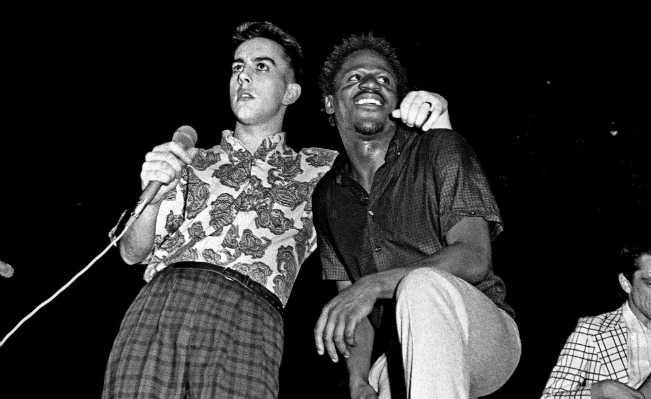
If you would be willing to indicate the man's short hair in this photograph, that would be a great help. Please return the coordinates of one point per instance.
(293, 51)
(628, 261)
(354, 43)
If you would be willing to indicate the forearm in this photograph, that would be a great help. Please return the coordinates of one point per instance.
(359, 361)
(137, 242)
(610, 389)
(463, 260)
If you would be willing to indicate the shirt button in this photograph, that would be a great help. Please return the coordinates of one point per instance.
(378, 249)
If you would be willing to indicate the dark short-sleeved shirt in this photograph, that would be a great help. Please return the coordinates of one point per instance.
(428, 183)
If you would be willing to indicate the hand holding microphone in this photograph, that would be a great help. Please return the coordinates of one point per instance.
(161, 169)
(163, 165)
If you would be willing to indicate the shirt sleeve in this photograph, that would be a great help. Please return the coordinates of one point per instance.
(331, 267)
(568, 378)
(168, 220)
(464, 190)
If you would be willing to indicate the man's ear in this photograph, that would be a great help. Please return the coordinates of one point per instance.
(292, 93)
(328, 104)
(624, 283)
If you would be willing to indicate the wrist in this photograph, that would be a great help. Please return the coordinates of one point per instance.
(374, 285)
(151, 209)
(357, 380)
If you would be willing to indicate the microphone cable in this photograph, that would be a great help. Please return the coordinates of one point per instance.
(114, 240)
(186, 137)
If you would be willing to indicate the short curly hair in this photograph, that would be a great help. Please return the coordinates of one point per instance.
(293, 51)
(353, 43)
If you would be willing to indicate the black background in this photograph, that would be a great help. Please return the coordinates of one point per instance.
(555, 106)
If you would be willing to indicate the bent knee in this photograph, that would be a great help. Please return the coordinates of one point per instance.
(427, 281)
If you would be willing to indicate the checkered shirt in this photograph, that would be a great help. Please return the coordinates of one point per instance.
(594, 352)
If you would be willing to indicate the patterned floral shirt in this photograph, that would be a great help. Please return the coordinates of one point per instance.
(248, 212)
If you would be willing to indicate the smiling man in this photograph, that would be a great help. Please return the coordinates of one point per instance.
(223, 241)
(404, 223)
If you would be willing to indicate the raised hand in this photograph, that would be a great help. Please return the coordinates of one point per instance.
(424, 110)
(164, 164)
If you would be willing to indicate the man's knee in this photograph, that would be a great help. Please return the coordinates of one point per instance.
(426, 281)
(433, 295)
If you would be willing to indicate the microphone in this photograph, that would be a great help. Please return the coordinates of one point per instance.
(186, 137)
(6, 270)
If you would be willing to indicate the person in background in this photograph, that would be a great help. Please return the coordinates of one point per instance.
(608, 356)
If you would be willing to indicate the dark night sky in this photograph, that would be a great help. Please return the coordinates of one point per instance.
(555, 110)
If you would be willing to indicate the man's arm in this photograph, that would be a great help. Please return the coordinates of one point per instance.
(467, 256)
(358, 356)
(610, 389)
(164, 164)
(358, 360)
(139, 239)
(424, 110)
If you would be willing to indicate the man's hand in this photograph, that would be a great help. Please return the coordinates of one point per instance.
(335, 329)
(424, 110)
(610, 389)
(164, 164)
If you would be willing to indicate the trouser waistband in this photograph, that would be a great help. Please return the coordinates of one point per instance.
(231, 274)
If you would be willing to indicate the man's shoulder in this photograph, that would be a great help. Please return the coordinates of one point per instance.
(326, 187)
(319, 158)
(327, 181)
(440, 140)
(600, 323)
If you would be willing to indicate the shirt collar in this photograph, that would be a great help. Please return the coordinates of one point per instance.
(398, 142)
(269, 145)
(631, 321)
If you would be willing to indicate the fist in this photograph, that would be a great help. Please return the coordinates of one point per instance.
(424, 110)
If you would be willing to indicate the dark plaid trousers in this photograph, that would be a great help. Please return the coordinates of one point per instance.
(192, 333)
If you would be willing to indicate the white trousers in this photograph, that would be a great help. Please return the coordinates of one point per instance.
(456, 343)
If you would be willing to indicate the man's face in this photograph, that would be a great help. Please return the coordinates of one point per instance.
(365, 94)
(259, 81)
(639, 296)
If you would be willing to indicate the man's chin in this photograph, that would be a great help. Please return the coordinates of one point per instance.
(368, 128)
(246, 116)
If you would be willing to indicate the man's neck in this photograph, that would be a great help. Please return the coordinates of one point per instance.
(366, 155)
(253, 135)
(644, 321)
